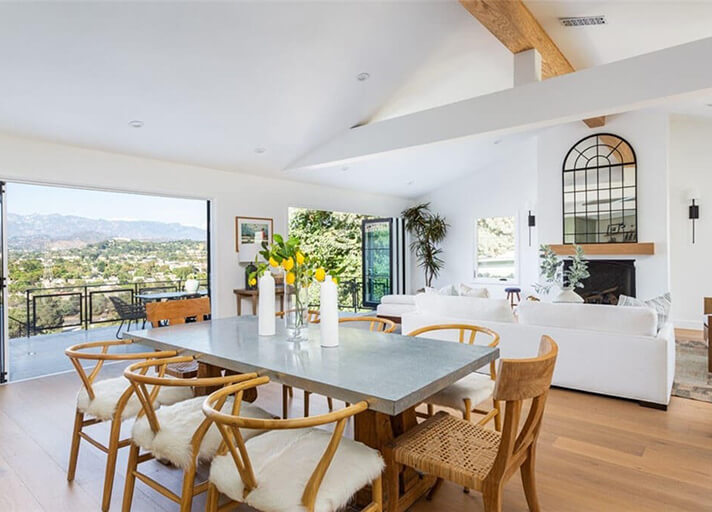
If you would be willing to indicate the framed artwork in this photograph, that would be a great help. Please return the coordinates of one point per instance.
(250, 232)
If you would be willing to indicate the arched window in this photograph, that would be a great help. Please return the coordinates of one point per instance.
(600, 197)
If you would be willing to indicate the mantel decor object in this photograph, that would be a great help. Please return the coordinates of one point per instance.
(566, 280)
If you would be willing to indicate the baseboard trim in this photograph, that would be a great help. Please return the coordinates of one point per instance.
(653, 405)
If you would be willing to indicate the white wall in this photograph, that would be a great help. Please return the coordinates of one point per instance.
(232, 194)
(499, 189)
(690, 169)
(648, 134)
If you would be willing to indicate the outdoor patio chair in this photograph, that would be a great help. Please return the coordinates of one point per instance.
(130, 312)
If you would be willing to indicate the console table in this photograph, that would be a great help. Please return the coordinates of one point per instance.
(253, 295)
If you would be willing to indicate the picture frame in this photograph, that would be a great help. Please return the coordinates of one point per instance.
(250, 232)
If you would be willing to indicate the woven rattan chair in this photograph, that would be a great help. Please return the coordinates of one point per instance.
(176, 312)
(107, 400)
(292, 466)
(178, 433)
(470, 455)
(473, 389)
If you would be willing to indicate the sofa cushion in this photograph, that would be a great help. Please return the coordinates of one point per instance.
(639, 321)
(398, 299)
(394, 309)
(473, 308)
(661, 305)
(473, 291)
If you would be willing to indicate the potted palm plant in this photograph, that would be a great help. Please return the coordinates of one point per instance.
(428, 230)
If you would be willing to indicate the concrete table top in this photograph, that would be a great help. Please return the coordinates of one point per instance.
(392, 372)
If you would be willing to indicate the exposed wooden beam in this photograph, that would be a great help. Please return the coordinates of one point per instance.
(516, 28)
(620, 86)
(511, 22)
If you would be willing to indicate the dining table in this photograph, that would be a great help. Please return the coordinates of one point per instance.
(175, 295)
(392, 372)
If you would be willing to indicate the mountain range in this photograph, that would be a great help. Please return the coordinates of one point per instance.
(54, 231)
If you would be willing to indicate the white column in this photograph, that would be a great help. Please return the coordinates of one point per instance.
(527, 67)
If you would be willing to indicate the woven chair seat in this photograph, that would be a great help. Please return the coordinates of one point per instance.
(449, 448)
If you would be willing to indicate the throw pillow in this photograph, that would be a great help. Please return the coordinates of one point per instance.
(469, 291)
(449, 290)
(661, 305)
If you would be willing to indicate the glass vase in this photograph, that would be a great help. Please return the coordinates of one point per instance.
(296, 310)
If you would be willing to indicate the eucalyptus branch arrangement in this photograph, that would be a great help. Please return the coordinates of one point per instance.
(553, 273)
(428, 230)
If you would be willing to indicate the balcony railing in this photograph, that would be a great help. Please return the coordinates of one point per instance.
(81, 306)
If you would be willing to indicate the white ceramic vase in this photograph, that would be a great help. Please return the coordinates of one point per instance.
(191, 285)
(568, 295)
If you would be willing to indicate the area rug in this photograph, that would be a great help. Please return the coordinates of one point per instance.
(691, 377)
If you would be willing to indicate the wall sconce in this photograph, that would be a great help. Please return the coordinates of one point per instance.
(693, 214)
(531, 223)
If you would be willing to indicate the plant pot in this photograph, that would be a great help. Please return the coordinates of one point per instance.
(191, 285)
(568, 295)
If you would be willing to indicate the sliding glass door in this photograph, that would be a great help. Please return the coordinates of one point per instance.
(377, 235)
(3, 290)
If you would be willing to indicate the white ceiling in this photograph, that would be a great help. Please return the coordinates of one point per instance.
(214, 81)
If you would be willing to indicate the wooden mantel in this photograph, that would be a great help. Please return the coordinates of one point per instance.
(623, 249)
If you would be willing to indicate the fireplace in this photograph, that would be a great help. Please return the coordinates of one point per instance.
(609, 279)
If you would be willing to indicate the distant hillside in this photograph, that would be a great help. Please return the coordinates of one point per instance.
(37, 232)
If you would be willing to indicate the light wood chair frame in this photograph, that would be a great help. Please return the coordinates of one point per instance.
(77, 354)
(234, 444)
(467, 406)
(519, 380)
(136, 374)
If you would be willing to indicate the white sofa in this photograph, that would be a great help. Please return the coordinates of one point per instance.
(611, 350)
(393, 306)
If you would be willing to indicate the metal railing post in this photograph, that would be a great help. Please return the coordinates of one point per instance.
(27, 309)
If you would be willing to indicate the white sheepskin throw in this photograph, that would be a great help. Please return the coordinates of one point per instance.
(108, 391)
(178, 423)
(283, 461)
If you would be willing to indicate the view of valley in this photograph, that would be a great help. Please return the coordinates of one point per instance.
(59, 254)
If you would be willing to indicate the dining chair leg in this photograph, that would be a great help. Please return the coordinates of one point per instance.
(497, 417)
(467, 412)
(74, 450)
(306, 403)
(492, 498)
(130, 478)
(434, 489)
(377, 493)
(118, 331)
(186, 497)
(111, 462)
(213, 498)
(529, 481)
(431, 409)
(392, 477)
(291, 391)
(285, 402)
(330, 403)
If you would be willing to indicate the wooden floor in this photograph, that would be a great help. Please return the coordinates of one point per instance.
(595, 454)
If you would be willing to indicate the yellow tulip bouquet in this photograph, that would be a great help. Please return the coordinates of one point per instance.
(300, 271)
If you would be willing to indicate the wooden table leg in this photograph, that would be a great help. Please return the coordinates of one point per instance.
(208, 370)
(377, 430)
(254, 304)
(239, 304)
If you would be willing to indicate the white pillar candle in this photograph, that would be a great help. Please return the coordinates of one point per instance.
(265, 310)
(329, 314)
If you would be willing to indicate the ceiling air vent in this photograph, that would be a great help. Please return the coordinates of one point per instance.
(582, 21)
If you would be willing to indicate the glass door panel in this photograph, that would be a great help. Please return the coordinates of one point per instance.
(377, 260)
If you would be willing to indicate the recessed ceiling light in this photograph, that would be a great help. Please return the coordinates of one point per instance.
(410, 182)
(136, 123)
(345, 168)
(709, 104)
(260, 150)
(362, 77)
(498, 141)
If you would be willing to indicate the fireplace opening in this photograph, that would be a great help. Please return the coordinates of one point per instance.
(609, 280)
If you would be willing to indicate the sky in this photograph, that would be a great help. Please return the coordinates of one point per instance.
(28, 199)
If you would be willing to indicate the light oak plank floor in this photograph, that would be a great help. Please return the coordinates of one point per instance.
(595, 454)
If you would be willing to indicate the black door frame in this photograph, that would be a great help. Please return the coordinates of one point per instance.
(389, 220)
